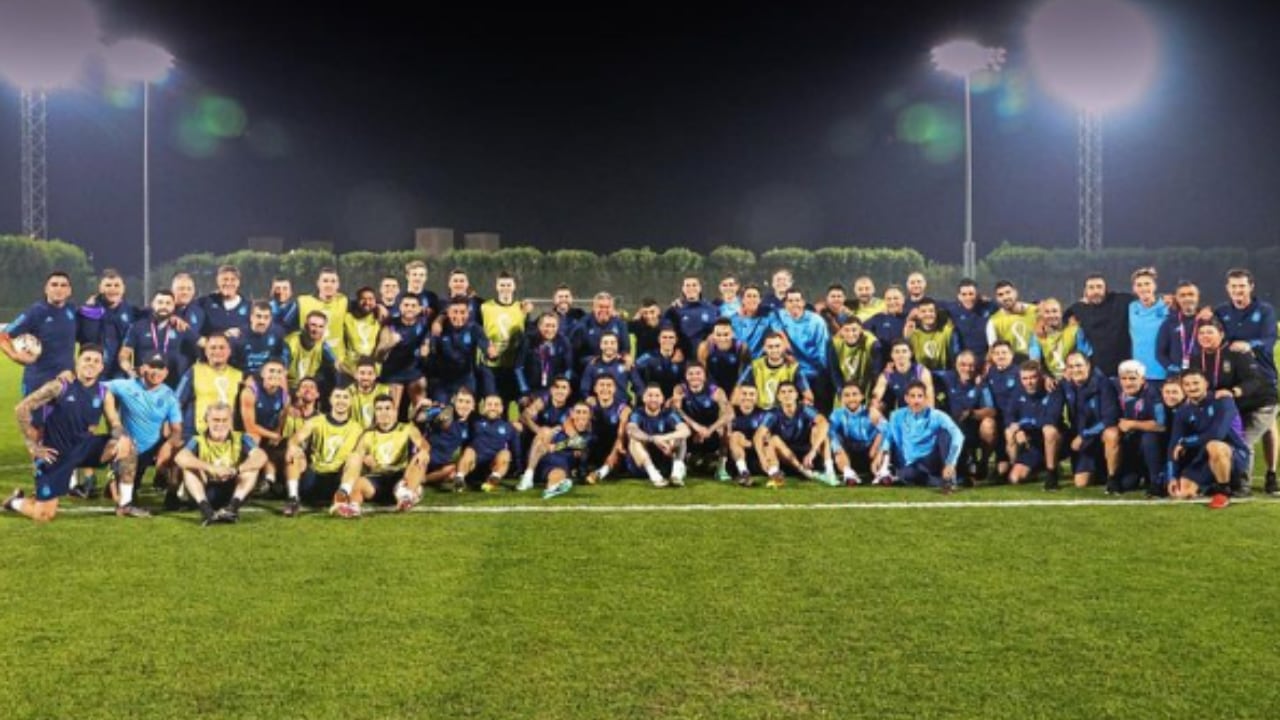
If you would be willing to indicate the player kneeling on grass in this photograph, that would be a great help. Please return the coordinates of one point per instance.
(1142, 427)
(799, 435)
(448, 430)
(1093, 412)
(656, 436)
(1032, 438)
(494, 442)
(707, 412)
(609, 418)
(856, 441)
(555, 460)
(318, 454)
(387, 464)
(749, 437)
(1207, 444)
(72, 409)
(926, 443)
(220, 467)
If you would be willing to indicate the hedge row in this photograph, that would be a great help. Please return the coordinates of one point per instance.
(634, 273)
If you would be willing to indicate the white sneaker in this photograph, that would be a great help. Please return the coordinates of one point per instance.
(526, 482)
(657, 479)
(853, 478)
(678, 472)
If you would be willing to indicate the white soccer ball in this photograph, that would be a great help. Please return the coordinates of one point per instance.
(28, 344)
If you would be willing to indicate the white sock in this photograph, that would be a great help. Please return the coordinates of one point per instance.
(603, 472)
(771, 471)
(17, 504)
(527, 476)
(741, 465)
(126, 493)
(884, 466)
(292, 486)
(848, 474)
(345, 487)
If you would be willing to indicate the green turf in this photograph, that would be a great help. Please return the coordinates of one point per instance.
(1141, 610)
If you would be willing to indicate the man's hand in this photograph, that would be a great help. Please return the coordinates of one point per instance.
(40, 452)
(1241, 346)
(1178, 451)
(1077, 443)
(1126, 425)
(124, 445)
(949, 472)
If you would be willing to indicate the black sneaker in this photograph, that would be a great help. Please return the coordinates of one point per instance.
(17, 494)
(172, 503)
(209, 519)
(227, 516)
(1272, 487)
(744, 479)
(291, 508)
(1050, 481)
(1113, 487)
(459, 484)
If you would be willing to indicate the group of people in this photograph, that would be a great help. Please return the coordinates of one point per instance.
(325, 399)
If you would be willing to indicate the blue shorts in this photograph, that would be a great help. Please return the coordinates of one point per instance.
(554, 461)
(1196, 467)
(1031, 455)
(1090, 457)
(53, 480)
(384, 487)
(660, 461)
(404, 376)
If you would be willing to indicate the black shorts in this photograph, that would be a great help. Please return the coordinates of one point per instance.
(317, 489)
(384, 486)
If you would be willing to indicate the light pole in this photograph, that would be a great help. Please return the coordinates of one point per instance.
(143, 62)
(963, 58)
(1097, 56)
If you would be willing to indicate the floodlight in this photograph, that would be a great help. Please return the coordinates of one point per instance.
(1096, 55)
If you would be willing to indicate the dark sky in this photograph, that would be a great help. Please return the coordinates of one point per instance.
(645, 124)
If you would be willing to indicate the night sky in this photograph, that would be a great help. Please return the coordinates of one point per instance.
(643, 124)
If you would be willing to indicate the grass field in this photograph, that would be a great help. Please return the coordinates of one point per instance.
(889, 608)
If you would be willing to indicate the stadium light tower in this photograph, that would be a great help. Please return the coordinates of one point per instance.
(963, 58)
(142, 62)
(1098, 56)
(43, 46)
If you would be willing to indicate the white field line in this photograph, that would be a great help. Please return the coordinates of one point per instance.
(550, 508)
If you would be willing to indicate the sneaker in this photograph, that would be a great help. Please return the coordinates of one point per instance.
(209, 519)
(350, 510)
(558, 489)
(592, 478)
(948, 487)
(291, 508)
(1272, 488)
(678, 472)
(744, 479)
(172, 503)
(853, 480)
(341, 496)
(132, 511)
(459, 484)
(1245, 490)
(1219, 501)
(828, 479)
(491, 486)
(776, 482)
(659, 481)
(226, 515)
(883, 479)
(526, 482)
(1113, 487)
(1050, 481)
(722, 474)
(17, 494)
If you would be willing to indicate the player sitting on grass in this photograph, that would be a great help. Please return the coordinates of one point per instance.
(610, 415)
(494, 444)
(72, 409)
(1032, 438)
(318, 454)
(856, 440)
(563, 454)
(448, 430)
(220, 467)
(149, 410)
(547, 410)
(656, 441)
(749, 437)
(707, 412)
(925, 442)
(1206, 443)
(968, 401)
(387, 464)
(799, 435)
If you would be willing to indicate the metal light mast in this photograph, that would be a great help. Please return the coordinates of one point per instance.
(35, 216)
(1090, 180)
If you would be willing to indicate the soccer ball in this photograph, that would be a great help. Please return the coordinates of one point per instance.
(28, 345)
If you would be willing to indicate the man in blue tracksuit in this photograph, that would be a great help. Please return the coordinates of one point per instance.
(1250, 326)
(691, 316)
(925, 443)
(1093, 414)
(810, 342)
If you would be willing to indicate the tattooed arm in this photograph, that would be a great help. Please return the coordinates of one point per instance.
(43, 395)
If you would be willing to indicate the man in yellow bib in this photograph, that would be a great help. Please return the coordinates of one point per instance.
(503, 321)
(212, 380)
(1014, 322)
(333, 304)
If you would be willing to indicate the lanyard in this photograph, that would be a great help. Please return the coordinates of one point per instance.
(1187, 343)
(155, 340)
(1217, 367)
